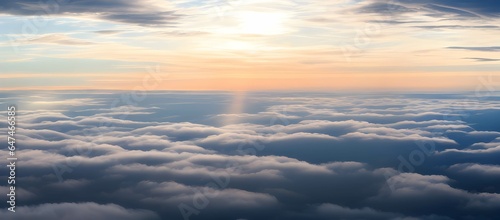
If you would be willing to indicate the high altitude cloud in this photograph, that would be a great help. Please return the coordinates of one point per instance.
(485, 49)
(308, 44)
(465, 9)
(294, 157)
(146, 13)
(486, 7)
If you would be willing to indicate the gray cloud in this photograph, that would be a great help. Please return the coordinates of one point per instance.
(485, 49)
(109, 32)
(145, 13)
(385, 8)
(462, 9)
(478, 59)
(457, 27)
(79, 211)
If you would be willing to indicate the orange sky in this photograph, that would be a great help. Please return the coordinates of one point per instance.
(254, 45)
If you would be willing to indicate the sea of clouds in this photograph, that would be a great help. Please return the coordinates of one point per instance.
(216, 155)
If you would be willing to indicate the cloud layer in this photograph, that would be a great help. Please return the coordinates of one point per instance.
(148, 13)
(302, 156)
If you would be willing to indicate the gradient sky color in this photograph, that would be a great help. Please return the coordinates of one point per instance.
(425, 45)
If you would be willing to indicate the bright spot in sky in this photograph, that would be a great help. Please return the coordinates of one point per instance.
(261, 23)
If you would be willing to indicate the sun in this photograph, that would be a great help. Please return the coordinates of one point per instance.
(261, 23)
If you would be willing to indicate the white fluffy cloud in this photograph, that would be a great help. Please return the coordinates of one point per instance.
(321, 158)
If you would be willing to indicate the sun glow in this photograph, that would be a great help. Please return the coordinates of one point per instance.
(261, 23)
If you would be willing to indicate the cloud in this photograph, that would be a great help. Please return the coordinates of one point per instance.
(144, 13)
(385, 8)
(486, 8)
(322, 158)
(478, 59)
(457, 27)
(479, 169)
(159, 18)
(484, 49)
(58, 39)
(109, 32)
(78, 211)
(422, 188)
(466, 9)
(173, 194)
(331, 211)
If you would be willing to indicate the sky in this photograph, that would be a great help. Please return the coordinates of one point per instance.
(252, 109)
(254, 156)
(425, 45)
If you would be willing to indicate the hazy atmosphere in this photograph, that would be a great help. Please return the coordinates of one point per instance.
(249, 44)
(250, 110)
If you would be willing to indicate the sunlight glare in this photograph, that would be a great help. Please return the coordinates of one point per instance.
(261, 23)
